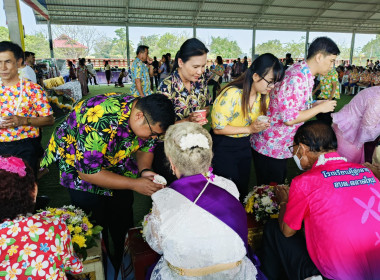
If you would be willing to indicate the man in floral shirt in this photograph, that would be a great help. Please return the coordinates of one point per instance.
(100, 149)
(291, 104)
(140, 73)
(23, 108)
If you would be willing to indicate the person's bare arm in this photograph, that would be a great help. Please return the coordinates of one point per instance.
(15, 121)
(322, 107)
(139, 87)
(282, 195)
(109, 180)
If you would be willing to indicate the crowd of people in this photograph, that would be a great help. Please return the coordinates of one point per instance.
(112, 145)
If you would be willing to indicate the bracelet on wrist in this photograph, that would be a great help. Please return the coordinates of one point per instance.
(145, 169)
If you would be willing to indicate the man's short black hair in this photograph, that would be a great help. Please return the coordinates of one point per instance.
(27, 54)
(158, 109)
(141, 49)
(323, 45)
(317, 135)
(6, 46)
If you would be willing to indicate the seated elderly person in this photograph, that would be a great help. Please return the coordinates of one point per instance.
(31, 247)
(338, 202)
(198, 223)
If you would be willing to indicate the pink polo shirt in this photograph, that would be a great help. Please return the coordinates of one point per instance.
(339, 203)
(286, 100)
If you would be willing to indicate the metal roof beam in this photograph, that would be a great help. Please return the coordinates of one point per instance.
(326, 5)
(261, 12)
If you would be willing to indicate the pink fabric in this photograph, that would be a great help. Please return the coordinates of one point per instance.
(359, 120)
(341, 216)
(286, 100)
(347, 149)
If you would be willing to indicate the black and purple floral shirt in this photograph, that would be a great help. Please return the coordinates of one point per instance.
(96, 136)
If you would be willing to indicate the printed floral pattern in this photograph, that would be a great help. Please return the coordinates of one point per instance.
(140, 71)
(185, 102)
(326, 85)
(36, 247)
(227, 110)
(286, 100)
(96, 136)
(34, 103)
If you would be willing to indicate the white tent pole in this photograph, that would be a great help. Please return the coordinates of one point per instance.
(127, 44)
(194, 31)
(306, 43)
(352, 47)
(253, 44)
(51, 47)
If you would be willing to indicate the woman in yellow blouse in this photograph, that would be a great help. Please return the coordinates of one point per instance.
(234, 118)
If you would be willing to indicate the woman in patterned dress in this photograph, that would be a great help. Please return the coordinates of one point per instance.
(186, 87)
(235, 117)
(31, 247)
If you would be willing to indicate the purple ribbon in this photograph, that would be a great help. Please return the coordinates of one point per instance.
(222, 205)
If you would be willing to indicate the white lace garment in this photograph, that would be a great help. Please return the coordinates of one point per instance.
(190, 237)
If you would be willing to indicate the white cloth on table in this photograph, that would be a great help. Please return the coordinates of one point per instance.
(74, 87)
(190, 237)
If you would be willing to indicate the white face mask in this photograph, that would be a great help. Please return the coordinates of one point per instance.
(298, 160)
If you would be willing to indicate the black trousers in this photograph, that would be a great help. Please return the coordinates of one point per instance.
(215, 88)
(232, 160)
(108, 76)
(28, 149)
(113, 213)
(285, 255)
(269, 170)
(161, 164)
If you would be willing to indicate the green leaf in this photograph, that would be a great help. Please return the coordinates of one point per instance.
(111, 106)
(57, 236)
(51, 229)
(96, 230)
(35, 238)
(20, 258)
(29, 270)
(11, 241)
(3, 273)
(6, 258)
(54, 266)
(94, 142)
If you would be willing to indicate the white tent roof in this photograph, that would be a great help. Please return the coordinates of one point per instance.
(361, 16)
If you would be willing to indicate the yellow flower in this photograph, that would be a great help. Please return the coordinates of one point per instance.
(61, 151)
(80, 240)
(70, 159)
(52, 145)
(118, 157)
(95, 113)
(79, 155)
(71, 228)
(77, 229)
(12, 250)
(89, 232)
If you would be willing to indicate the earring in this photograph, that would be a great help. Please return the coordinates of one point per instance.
(172, 169)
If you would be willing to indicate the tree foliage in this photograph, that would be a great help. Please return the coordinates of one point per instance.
(272, 46)
(372, 48)
(167, 43)
(224, 47)
(87, 36)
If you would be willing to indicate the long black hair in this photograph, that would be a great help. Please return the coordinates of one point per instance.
(261, 66)
(191, 47)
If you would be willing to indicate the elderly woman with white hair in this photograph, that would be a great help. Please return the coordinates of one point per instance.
(197, 224)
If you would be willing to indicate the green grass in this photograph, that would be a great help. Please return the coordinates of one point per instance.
(49, 184)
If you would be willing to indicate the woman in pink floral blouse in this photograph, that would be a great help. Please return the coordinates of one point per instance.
(31, 247)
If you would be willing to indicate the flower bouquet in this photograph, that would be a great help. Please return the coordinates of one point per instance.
(261, 202)
(83, 232)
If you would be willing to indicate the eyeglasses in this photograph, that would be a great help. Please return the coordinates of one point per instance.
(291, 148)
(269, 84)
(152, 133)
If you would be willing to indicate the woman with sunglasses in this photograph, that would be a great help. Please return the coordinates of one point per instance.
(235, 117)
